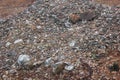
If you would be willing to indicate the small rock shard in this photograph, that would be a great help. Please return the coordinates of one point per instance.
(89, 16)
(38, 27)
(67, 24)
(72, 43)
(58, 67)
(8, 44)
(114, 67)
(85, 16)
(48, 62)
(37, 64)
(18, 41)
(69, 67)
(23, 59)
(74, 17)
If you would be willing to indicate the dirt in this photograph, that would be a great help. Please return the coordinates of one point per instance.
(109, 2)
(12, 7)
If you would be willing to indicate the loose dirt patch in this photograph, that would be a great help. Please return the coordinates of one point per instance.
(11, 7)
(109, 2)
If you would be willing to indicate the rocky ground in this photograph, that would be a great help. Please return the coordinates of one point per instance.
(61, 40)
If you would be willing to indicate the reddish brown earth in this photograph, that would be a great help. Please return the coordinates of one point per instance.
(109, 2)
(10, 7)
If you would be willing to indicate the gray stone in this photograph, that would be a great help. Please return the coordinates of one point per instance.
(23, 59)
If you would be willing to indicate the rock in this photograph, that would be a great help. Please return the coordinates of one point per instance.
(119, 48)
(48, 62)
(13, 71)
(37, 64)
(18, 41)
(85, 16)
(28, 22)
(114, 67)
(67, 24)
(74, 17)
(8, 44)
(58, 67)
(72, 43)
(88, 16)
(38, 27)
(69, 67)
(23, 60)
(5, 77)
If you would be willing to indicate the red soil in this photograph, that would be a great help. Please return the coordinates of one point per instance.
(11, 7)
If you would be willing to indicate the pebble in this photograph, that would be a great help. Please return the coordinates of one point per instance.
(88, 16)
(72, 43)
(27, 22)
(38, 27)
(74, 17)
(5, 77)
(18, 41)
(48, 62)
(58, 67)
(23, 59)
(67, 24)
(13, 71)
(38, 63)
(119, 48)
(69, 67)
(30, 79)
(8, 44)
(85, 16)
(114, 67)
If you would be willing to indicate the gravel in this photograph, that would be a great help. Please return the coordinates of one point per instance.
(44, 32)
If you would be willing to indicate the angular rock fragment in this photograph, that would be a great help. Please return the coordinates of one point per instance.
(18, 41)
(48, 62)
(86, 16)
(23, 59)
(89, 16)
(8, 44)
(69, 67)
(114, 67)
(74, 17)
(58, 67)
(72, 43)
(37, 64)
